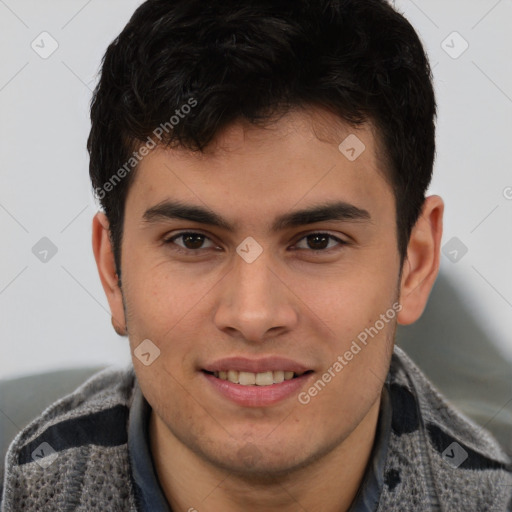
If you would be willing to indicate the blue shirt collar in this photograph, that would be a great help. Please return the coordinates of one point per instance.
(148, 492)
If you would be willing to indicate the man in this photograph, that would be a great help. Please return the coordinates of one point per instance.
(262, 167)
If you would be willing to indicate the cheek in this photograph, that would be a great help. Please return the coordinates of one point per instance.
(353, 375)
(350, 301)
(160, 295)
(351, 308)
(156, 311)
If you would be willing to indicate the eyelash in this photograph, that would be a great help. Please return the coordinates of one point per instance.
(180, 249)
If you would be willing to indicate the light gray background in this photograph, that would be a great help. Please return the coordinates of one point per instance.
(54, 314)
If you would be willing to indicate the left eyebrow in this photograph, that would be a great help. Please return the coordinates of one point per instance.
(333, 211)
(337, 211)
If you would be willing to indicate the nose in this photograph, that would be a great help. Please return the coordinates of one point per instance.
(255, 302)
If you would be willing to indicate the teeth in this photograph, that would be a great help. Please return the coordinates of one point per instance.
(264, 379)
(246, 378)
(278, 376)
(251, 379)
(233, 376)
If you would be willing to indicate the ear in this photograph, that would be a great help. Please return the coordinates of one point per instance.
(104, 256)
(421, 265)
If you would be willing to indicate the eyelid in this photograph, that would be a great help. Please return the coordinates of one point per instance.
(170, 239)
(339, 240)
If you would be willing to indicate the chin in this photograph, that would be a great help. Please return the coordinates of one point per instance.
(265, 470)
(258, 462)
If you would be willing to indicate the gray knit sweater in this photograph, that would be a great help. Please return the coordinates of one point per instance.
(74, 456)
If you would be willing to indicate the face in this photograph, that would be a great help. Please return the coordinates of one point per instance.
(234, 289)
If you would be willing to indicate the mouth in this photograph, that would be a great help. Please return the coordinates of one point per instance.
(261, 382)
(267, 378)
(271, 382)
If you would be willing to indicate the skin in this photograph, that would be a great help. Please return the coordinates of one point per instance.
(302, 304)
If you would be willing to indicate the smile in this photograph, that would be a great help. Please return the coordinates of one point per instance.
(260, 389)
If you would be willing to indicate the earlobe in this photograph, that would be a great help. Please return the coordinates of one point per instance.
(104, 256)
(421, 266)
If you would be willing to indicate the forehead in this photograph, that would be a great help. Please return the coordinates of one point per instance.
(304, 157)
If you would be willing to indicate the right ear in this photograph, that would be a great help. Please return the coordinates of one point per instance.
(104, 256)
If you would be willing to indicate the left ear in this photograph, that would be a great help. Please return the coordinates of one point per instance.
(421, 265)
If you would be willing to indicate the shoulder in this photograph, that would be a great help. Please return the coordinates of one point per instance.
(76, 443)
(438, 454)
(103, 399)
(441, 418)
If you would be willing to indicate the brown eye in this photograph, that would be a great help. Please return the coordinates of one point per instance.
(191, 241)
(320, 241)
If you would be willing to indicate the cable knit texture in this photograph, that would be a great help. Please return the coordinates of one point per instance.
(437, 458)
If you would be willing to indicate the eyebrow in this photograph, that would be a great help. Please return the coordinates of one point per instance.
(331, 211)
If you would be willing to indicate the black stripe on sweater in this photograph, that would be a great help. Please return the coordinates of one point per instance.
(103, 428)
(405, 417)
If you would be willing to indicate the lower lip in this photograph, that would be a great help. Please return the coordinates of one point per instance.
(257, 396)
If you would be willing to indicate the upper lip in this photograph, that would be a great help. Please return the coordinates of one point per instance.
(265, 364)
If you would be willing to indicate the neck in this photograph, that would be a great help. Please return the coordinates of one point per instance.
(328, 484)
